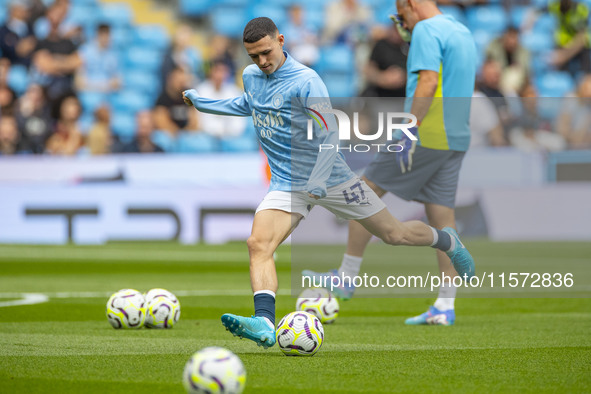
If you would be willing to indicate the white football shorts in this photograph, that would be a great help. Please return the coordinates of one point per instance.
(351, 200)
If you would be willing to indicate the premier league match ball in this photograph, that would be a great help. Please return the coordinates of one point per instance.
(214, 370)
(125, 309)
(319, 302)
(163, 309)
(300, 334)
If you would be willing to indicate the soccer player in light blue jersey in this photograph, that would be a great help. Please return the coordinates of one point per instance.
(441, 71)
(320, 179)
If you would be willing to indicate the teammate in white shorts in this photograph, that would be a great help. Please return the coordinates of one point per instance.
(301, 178)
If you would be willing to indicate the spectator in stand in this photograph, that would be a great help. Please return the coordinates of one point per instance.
(490, 86)
(67, 137)
(182, 54)
(347, 21)
(303, 39)
(513, 58)
(142, 143)
(171, 112)
(530, 133)
(34, 121)
(37, 10)
(100, 140)
(100, 64)
(67, 28)
(56, 58)
(217, 87)
(385, 72)
(7, 101)
(574, 121)
(572, 36)
(9, 137)
(221, 50)
(17, 40)
(486, 128)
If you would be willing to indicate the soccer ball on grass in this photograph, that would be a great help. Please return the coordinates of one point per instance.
(319, 302)
(163, 309)
(125, 309)
(214, 370)
(300, 334)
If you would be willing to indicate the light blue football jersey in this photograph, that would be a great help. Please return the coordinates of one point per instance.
(295, 161)
(444, 45)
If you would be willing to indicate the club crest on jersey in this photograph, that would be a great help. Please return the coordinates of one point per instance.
(277, 100)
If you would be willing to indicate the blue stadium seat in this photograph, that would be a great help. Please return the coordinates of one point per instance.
(196, 143)
(123, 125)
(3, 15)
(541, 63)
(545, 23)
(314, 16)
(131, 101)
(491, 18)
(482, 39)
(142, 81)
(234, 3)
(336, 58)
(555, 84)
(277, 13)
(121, 36)
(139, 58)
(537, 42)
(153, 36)
(85, 2)
(518, 13)
(116, 14)
(90, 101)
(229, 21)
(339, 84)
(195, 7)
(540, 3)
(375, 4)
(82, 15)
(164, 140)
(454, 11)
(18, 78)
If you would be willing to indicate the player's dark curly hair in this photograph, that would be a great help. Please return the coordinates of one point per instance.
(259, 28)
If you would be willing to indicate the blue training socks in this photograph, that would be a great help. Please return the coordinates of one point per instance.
(264, 305)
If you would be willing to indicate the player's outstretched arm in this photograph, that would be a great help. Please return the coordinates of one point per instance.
(237, 106)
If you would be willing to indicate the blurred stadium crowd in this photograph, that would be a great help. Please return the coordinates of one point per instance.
(80, 77)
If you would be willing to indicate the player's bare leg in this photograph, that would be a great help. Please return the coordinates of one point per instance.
(359, 237)
(269, 229)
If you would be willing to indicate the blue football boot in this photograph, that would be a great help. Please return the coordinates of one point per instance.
(460, 257)
(343, 292)
(434, 317)
(254, 328)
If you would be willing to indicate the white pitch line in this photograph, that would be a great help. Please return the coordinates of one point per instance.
(25, 299)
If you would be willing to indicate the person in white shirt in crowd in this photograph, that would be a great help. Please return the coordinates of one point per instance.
(218, 87)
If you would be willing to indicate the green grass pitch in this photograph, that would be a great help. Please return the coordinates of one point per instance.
(65, 345)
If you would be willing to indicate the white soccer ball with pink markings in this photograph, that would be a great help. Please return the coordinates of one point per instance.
(300, 334)
(125, 309)
(320, 302)
(163, 309)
